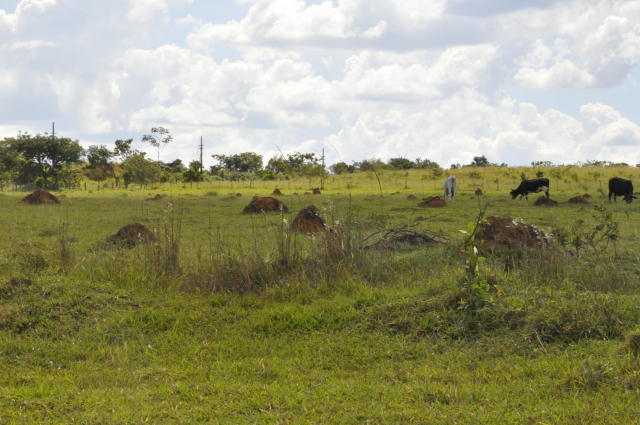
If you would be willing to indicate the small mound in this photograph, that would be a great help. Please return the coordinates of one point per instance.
(131, 235)
(308, 220)
(586, 196)
(478, 192)
(433, 202)
(40, 197)
(578, 200)
(501, 231)
(412, 198)
(400, 238)
(158, 197)
(264, 204)
(316, 191)
(238, 195)
(276, 192)
(543, 201)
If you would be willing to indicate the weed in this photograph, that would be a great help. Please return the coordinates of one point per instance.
(65, 251)
(633, 344)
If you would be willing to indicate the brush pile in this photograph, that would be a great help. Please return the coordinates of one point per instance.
(397, 239)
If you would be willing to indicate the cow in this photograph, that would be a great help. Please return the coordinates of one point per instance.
(621, 187)
(450, 187)
(529, 186)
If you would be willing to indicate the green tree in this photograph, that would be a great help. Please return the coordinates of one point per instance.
(11, 163)
(480, 161)
(175, 166)
(45, 156)
(100, 160)
(123, 149)
(140, 170)
(193, 173)
(159, 136)
(99, 156)
(342, 168)
(245, 162)
(426, 163)
(370, 164)
(401, 164)
(295, 164)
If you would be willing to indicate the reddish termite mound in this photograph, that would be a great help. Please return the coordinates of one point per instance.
(40, 197)
(308, 220)
(264, 204)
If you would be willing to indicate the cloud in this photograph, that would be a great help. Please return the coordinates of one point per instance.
(597, 44)
(610, 128)
(561, 75)
(362, 78)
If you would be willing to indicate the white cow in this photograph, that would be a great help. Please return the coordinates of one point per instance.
(450, 187)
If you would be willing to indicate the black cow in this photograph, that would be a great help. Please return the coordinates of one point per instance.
(528, 186)
(620, 187)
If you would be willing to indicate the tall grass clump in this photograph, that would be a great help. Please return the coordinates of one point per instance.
(65, 250)
(162, 257)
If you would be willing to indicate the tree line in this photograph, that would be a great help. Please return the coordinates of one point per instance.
(43, 160)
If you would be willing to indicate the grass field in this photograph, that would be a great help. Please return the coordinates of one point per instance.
(233, 319)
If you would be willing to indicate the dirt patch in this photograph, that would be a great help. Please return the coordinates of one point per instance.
(578, 200)
(412, 198)
(158, 197)
(308, 220)
(433, 202)
(276, 192)
(543, 201)
(316, 191)
(131, 235)
(501, 231)
(40, 197)
(264, 204)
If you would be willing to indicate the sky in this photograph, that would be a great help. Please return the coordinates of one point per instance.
(514, 80)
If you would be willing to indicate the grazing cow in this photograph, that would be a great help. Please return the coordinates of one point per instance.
(528, 186)
(621, 187)
(450, 187)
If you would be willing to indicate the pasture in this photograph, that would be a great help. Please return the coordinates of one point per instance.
(234, 319)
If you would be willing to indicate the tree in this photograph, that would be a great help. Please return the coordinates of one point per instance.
(98, 156)
(542, 164)
(295, 164)
(426, 163)
(11, 162)
(176, 166)
(245, 162)
(46, 155)
(123, 149)
(480, 161)
(370, 164)
(159, 136)
(401, 163)
(140, 170)
(342, 168)
(193, 173)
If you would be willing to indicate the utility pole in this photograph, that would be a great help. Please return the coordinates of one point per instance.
(201, 148)
(53, 130)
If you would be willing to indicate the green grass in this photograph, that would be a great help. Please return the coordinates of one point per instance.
(236, 336)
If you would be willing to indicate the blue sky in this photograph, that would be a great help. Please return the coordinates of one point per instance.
(515, 80)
